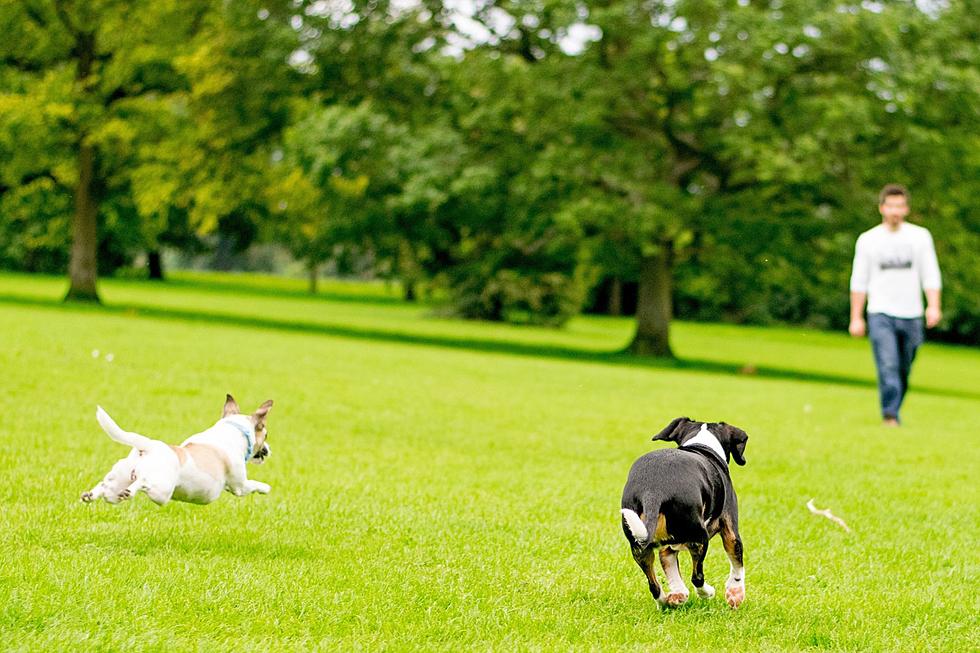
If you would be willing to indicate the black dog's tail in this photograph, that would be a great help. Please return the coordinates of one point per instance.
(642, 531)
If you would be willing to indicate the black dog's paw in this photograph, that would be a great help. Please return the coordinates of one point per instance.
(734, 596)
(675, 599)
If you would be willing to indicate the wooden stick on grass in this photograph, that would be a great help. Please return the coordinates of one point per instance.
(829, 515)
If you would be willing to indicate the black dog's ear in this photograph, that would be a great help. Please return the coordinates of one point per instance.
(733, 440)
(673, 431)
(231, 407)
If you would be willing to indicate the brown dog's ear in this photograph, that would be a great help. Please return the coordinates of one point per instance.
(673, 431)
(231, 407)
(733, 440)
(263, 410)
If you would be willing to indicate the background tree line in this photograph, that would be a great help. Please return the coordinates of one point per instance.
(524, 161)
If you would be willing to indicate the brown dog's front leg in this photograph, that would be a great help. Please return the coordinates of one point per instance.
(248, 487)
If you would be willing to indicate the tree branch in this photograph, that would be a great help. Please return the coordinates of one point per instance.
(31, 178)
(123, 93)
(35, 15)
(21, 64)
(62, 14)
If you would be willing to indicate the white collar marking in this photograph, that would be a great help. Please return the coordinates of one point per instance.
(706, 439)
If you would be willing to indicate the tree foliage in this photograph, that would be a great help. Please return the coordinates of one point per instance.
(720, 155)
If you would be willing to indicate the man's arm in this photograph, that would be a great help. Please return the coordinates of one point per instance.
(932, 283)
(857, 328)
(934, 311)
(860, 273)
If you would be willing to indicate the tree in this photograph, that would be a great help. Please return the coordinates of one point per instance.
(690, 111)
(210, 175)
(518, 257)
(104, 90)
(79, 65)
(336, 172)
(383, 55)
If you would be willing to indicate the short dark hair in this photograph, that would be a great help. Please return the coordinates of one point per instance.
(892, 189)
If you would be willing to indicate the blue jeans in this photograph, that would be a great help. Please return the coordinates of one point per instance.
(894, 341)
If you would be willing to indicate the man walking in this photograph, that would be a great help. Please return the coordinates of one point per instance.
(894, 263)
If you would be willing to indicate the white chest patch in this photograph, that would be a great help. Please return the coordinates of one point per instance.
(706, 439)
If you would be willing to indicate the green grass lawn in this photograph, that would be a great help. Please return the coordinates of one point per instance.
(447, 485)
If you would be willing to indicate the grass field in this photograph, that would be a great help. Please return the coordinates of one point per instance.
(445, 485)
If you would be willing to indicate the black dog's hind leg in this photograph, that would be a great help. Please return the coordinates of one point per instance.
(698, 551)
(646, 559)
(735, 586)
(677, 594)
(645, 556)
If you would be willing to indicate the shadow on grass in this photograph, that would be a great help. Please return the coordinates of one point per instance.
(244, 287)
(468, 344)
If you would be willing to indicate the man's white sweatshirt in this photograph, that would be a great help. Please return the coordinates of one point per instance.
(894, 267)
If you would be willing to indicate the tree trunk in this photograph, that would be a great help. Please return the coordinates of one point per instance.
(410, 293)
(313, 270)
(224, 253)
(408, 268)
(616, 296)
(653, 306)
(155, 261)
(83, 267)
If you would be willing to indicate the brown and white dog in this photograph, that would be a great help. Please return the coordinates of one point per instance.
(196, 471)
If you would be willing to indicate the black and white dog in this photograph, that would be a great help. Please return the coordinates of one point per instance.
(678, 499)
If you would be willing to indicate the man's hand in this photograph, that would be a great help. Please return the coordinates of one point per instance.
(857, 328)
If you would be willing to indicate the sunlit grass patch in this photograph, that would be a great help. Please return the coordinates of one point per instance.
(429, 495)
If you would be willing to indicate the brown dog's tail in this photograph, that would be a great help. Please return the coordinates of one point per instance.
(134, 440)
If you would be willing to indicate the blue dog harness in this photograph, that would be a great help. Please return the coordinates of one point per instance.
(249, 437)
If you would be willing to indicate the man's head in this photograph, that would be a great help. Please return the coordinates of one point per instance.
(893, 205)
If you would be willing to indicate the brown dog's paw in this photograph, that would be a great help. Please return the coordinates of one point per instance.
(675, 599)
(734, 596)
